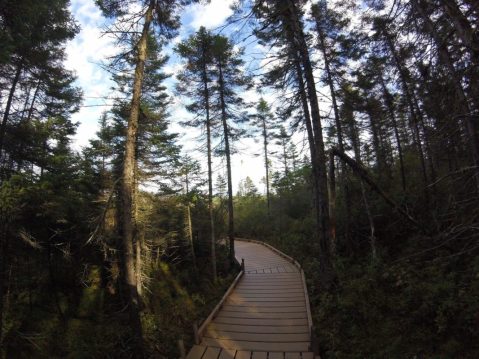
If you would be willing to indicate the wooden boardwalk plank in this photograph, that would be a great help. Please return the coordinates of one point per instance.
(241, 354)
(238, 300)
(251, 309)
(288, 315)
(259, 322)
(268, 305)
(267, 338)
(289, 355)
(227, 354)
(276, 355)
(273, 291)
(274, 329)
(299, 296)
(211, 353)
(196, 352)
(256, 346)
(259, 355)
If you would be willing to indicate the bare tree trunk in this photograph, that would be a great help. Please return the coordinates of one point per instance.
(32, 105)
(190, 225)
(339, 130)
(210, 167)
(414, 117)
(127, 188)
(228, 164)
(360, 171)
(390, 107)
(266, 164)
(357, 155)
(309, 128)
(332, 202)
(8, 106)
(139, 264)
(322, 213)
(285, 156)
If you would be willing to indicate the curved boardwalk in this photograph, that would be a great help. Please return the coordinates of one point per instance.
(265, 316)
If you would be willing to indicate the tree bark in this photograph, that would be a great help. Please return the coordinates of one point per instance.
(206, 94)
(127, 188)
(390, 107)
(266, 164)
(8, 106)
(414, 118)
(357, 155)
(190, 224)
(339, 130)
(332, 201)
(228, 164)
(322, 213)
(363, 174)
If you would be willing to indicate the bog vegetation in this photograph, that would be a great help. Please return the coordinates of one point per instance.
(367, 120)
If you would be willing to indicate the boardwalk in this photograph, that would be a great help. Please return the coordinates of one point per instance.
(265, 316)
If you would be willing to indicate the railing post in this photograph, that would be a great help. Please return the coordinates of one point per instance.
(196, 334)
(181, 347)
(242, 264)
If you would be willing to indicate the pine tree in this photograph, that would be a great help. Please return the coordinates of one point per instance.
(164, 17)
(230, 79)
(33, 42)
(197, 52)
(263, 121)
(284, 20)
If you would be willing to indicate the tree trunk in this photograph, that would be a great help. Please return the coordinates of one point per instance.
(8, 106)
(445, 58)
(357, 155)
(127, 189)
(228, 164)
(464, 29)
(339, 130)
(285, 156)
(414, 118)
(210, 166)
(309, 128)
(332, 202)
(390, 107)
(32, 105)
(322, 213)
(266, 164)
(3, 282)
(190, 225)
(363, 174)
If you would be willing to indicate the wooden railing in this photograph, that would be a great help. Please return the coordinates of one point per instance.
(198, 332)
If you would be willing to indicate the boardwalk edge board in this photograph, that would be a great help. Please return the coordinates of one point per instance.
(220, 304)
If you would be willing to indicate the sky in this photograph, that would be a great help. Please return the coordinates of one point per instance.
(90, 48)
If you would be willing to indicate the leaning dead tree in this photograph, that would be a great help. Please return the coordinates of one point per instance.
(363, 174)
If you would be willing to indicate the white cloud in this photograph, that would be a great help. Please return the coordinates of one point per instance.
(211, 15)
(84, 54)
